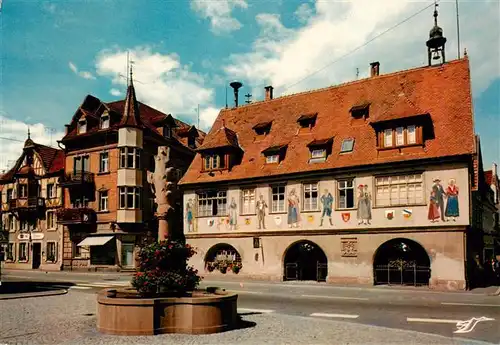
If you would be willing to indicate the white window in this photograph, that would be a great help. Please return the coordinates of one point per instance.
(345, 194)
(130, 158)
(130, 197)
(347, 145)
(411, 134)
(212, 203)
(11, 223)
(278, 200)
(400, 136)
(399, 190)
(23, 191)
(310, 196)
(105, 120)
(23, 251)
(248, 201)
(10, 255)
(51, 252)
(103, 200)
(82, 126)
(51, 191)
(23, 225)
(318, 153)
(51, 220)
(104, 162)
(214, 162)
(9, 194)
(272, 159)
(388, 138)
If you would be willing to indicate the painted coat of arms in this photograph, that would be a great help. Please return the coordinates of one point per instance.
(346, 216)
(389, 214)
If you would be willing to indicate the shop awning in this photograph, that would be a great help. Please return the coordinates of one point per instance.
(95, 241)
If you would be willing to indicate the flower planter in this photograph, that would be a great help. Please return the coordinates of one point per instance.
(223, 270)
(236, 269)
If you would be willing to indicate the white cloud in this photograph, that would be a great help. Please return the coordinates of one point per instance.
(115, 92)
(303, 13)
(285, 56)
(219, 13)
(161, 81)
(13, 133)
(83, 74)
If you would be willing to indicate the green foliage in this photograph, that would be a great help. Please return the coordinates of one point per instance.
(163, 269)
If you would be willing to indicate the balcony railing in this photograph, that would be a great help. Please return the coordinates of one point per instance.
(76, 216)
(77, 178)
(26, 203)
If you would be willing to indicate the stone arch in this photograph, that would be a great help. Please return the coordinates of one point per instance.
(401, 261)
(224, 257)
(305, 260)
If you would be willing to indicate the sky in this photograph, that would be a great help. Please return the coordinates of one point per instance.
(185, 53)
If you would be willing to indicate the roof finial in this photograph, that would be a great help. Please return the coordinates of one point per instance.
(131, 72)
(465, 51)
(29, 132)
(435, 13)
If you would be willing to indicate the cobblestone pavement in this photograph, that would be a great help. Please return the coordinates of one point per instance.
(70, 319)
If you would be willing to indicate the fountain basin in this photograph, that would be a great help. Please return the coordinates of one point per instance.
(201, 312)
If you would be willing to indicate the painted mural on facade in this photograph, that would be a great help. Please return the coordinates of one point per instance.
(233, 214)
(437, 210)
(327, 202)
(190, 221)
(364, 212)
(293, 209)
(261, 211)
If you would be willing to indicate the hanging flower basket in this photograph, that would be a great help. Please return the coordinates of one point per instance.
(223, 269)
(236, 269)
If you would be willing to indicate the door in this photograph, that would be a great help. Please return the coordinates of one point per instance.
(37, 255)
(127, 255)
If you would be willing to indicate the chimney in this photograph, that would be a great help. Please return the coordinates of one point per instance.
(269, 92)
(494, 169)
(374, 69)
(236, 85)
(66, 129)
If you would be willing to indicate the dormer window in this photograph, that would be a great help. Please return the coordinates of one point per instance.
(401, 136)
(275, 154)
(82, 126)
(347, 145)
(104, 120)
(360, 110)
(320, 149)
(307, 122)
(213, 162)
(167, 131)
(262, 129)
(192, 142)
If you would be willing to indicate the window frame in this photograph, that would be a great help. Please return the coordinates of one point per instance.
(101, 197)
(105, 119)
(247, 207)
(23, 228)
(25, 251)
(9, 194)
(346, 188)
(103, 162)
(126, 192)
(277, 210)
(129, 154)
(214, 161)
(52, 188)
(12, 223)
(11, 248)
(307, 202)
(273, 159)
(418, 181)
(167, 131)
(411, 135)
(342, 149)
(82, 126)
(213, 199)
(54, 243)
(54, 222)
(22, 187)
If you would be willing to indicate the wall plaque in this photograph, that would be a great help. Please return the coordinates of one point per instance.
(349, 247)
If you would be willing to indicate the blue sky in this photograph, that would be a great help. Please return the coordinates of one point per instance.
(185, 52)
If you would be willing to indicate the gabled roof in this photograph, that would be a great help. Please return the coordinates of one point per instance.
(223, 137)
(131, 117)
(442, 91)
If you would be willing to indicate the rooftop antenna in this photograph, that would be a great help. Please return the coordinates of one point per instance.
(357, 73)
(226, 96)
(51, 131)
(29, 132)
(198, 116)
(248, 96)
(458, 28)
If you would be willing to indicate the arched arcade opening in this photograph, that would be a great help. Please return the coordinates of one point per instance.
(401, 261)
(305, 260)
(224, 258)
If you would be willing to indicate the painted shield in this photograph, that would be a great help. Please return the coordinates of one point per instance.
(346, 216)
(310, 218)
(389, 214)
(247, 221)
(277, 220)
(407, 213)
(210, 222)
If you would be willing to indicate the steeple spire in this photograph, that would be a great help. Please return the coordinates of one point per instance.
(131, 116)
(435, 13)
(29, 132)
(436, 42)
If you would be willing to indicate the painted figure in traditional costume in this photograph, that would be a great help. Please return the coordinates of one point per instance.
(439, 194)
(189, 215)
(433, 214)
(364, 213)
(261, 211)
(327, 201)
(452, 210)
(233, 216)
(293, 209)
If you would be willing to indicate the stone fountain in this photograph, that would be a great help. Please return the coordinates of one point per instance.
(159, 303)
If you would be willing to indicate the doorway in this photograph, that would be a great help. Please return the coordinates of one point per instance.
(305, 260)
(37, 255)
(127, 255)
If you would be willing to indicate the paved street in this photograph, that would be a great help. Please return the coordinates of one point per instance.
(418, 310)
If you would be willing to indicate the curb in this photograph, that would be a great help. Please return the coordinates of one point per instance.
(35, 294)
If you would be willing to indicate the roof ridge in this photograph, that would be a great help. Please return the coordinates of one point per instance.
(352, 82)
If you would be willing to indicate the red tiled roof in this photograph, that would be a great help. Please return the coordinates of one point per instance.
(442, 91)
(402, 108)
(130, 115)
(223, 137)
